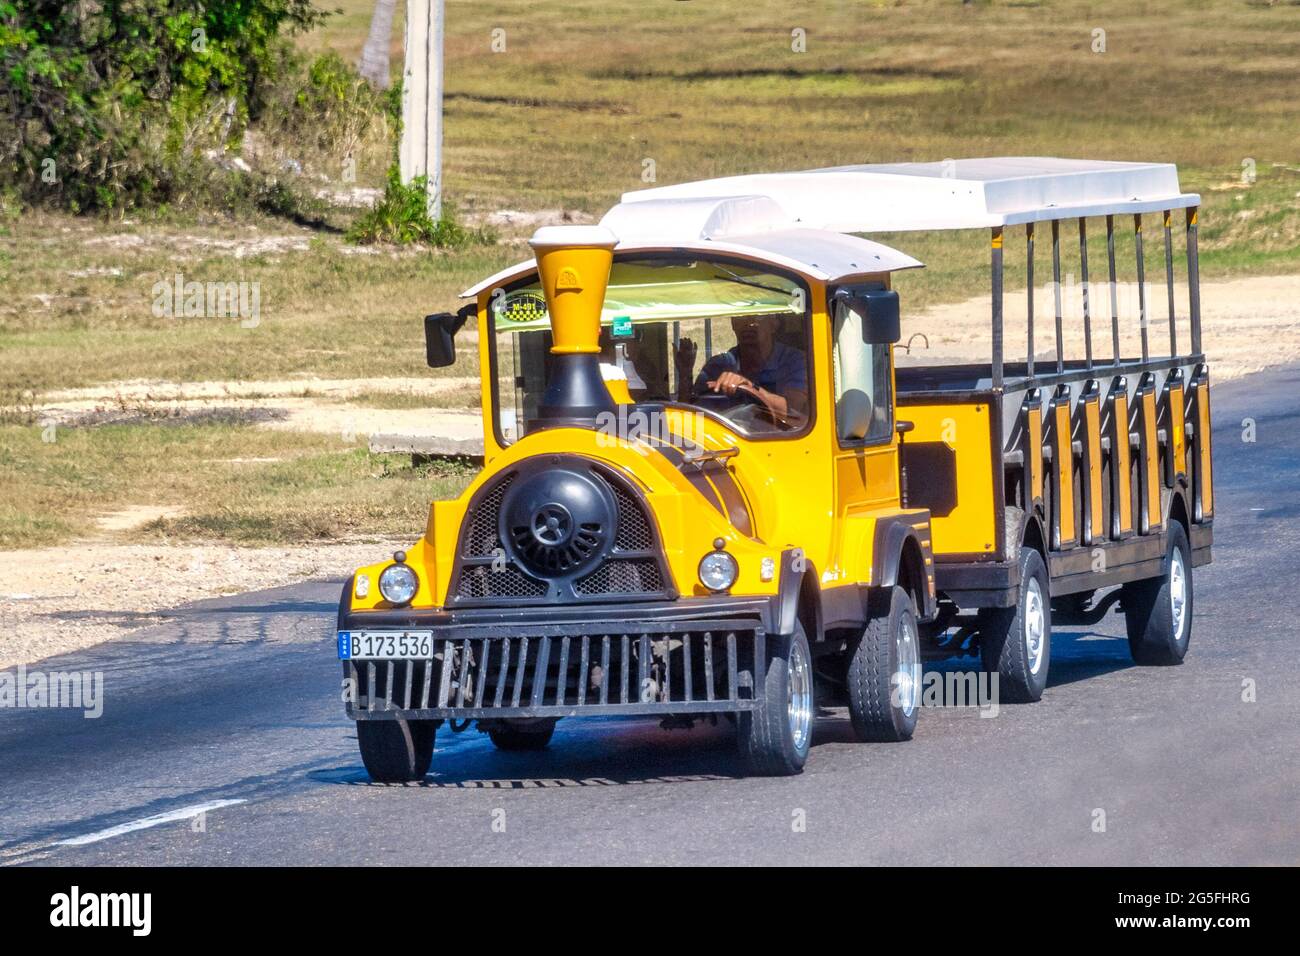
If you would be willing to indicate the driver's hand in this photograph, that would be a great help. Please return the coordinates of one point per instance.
(728, 382)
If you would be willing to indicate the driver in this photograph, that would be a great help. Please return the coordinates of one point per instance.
(773, 372)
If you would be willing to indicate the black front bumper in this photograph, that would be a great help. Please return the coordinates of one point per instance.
(692, 656)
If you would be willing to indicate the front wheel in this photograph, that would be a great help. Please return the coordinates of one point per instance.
(775, 738)
(396, 751)
(1016, 642)
(884, 673)
(1158, 611)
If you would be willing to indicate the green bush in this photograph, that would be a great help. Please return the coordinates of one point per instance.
(402, 216)
(114, 105)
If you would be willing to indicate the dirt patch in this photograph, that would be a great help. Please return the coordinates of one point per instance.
(137, 516)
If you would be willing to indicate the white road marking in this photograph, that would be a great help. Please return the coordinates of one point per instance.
(184, 813)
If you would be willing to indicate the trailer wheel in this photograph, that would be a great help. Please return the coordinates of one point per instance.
(1016, 642)
(530, 735)
(884, 674)
(775, 739)
(1158, 611)
(396, 751)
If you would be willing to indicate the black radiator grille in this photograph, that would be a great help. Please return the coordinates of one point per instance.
(678, 669)
(622, 576)
(482, 538)
(481, 581)
(632, 568)
(634, 532)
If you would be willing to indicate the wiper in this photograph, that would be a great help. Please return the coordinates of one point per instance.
(741, 280)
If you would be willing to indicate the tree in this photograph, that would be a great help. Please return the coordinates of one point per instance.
(374, 58)
(102, 103)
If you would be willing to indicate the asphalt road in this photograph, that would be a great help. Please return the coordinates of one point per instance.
(238, 700)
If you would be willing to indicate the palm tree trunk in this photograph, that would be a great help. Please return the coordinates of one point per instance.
(374, 58)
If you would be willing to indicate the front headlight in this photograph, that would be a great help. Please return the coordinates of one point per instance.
(718, 570)
(398, 584)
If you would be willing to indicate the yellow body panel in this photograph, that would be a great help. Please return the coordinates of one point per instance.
(1092, 435)
(1122, 462)
(1034, 450)
(971, 526)
(1151, 516)
(1176, 432)
(1063, 462)
(1203, 446)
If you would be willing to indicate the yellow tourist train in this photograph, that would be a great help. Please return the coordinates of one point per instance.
(708, 489)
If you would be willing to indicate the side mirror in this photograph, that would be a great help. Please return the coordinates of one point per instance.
(880, 316)
(439, 338)
(853, 415)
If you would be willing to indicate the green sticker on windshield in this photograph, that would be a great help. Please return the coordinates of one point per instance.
(622, 326)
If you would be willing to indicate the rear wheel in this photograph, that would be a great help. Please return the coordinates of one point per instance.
(532, 735)
(1158, 611)
(1016, 642)
(775, 738)
(396, 751)
(884, 673)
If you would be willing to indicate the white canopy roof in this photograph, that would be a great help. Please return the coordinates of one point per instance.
(952, 194)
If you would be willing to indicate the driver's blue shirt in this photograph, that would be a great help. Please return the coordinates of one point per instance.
(784, 371)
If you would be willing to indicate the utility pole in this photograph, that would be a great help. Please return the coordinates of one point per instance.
(421, 150)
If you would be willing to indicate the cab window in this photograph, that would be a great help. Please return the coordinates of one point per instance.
(724, 337)
(863, 389)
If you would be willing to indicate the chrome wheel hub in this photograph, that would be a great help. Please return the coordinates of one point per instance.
(799, 701)
(907, 679)
(1035, 625)
(1178, 593)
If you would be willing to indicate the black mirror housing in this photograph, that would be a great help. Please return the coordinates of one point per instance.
(880, 316)
(440, 338)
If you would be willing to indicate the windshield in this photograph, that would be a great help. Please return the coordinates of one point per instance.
(726, 338)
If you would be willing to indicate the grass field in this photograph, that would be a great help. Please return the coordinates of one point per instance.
(584, 99)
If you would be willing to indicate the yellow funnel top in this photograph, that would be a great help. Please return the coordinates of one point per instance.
(574, 263)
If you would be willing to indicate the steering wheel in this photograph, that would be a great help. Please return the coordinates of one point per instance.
(719, 401)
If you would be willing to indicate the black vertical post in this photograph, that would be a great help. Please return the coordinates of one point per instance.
(1056, 291)
(1087, 290)
(1142, 286)
(1194, 280)
(1029, 272)
(1169, 280)
(997, 307)
(1114, 287)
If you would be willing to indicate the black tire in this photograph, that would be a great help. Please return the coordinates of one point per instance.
(1006, 641)
(877, 672)
(396, 751)
(767, 736)
(1153, 638)
(522, 737)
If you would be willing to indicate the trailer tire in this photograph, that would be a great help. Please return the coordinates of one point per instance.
(775, 738)
(396, 751)
(1016, 642)
(1158, 611)
(884, 672)
(515, 737)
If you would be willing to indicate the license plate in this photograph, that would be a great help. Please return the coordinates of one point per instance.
(385, 645)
